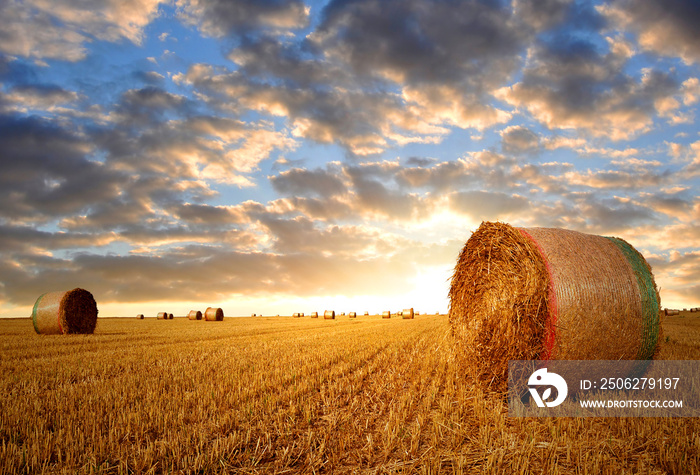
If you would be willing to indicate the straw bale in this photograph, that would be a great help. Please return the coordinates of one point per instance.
(296, 315)
(71, 311)
(544, 293)
(162, 316)
(314, 314)
(170, 316)
(194, 315)
(352, 314)
(407, 313)
(386, 314)
(212, 314)
(329, 315)
(140, 316)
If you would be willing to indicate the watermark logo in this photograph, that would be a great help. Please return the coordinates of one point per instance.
(541, 378)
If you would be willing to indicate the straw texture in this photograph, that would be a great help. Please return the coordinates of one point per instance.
(194, 315)
(72, 311)
(544, 293)
(214, 314)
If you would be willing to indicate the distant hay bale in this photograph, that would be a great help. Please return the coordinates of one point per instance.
(314, 315)
(212, 314)
(140, 316)
(170, 316)
(194, 315)
(386, 314)
(366, 314)
(407, 313)
(162, 316)
(541, 293)
(296, 315)
(71, 311)
(352, 314)
(329, 315)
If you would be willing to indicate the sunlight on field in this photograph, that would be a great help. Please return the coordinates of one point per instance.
(300, 395)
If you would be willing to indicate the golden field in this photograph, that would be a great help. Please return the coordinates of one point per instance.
(284, 395)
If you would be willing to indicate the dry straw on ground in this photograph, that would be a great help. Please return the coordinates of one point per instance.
(214, 314)
(72, 311)
(329, 315)
(194, 315)
(541, 293)
(407, 313)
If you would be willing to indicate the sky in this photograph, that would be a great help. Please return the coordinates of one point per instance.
(279, 156)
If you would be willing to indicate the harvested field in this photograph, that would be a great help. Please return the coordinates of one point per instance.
(366, 395)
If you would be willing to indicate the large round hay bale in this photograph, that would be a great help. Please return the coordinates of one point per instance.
(352, 315)
(213, 314)
(543, 293)
(162, 316)
(386, 314)
(407, 313)
(140, 316)
(71, 311)
(329, 315)
(194, 315)
(314, 314)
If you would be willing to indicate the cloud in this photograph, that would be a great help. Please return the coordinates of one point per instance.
(43, 29)
(666, 27)
(155, 131)
(570, 84)
(299, 182)
(42, 98)
(220, 18)
(488, 206)
(518, 140)
(46, 172)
